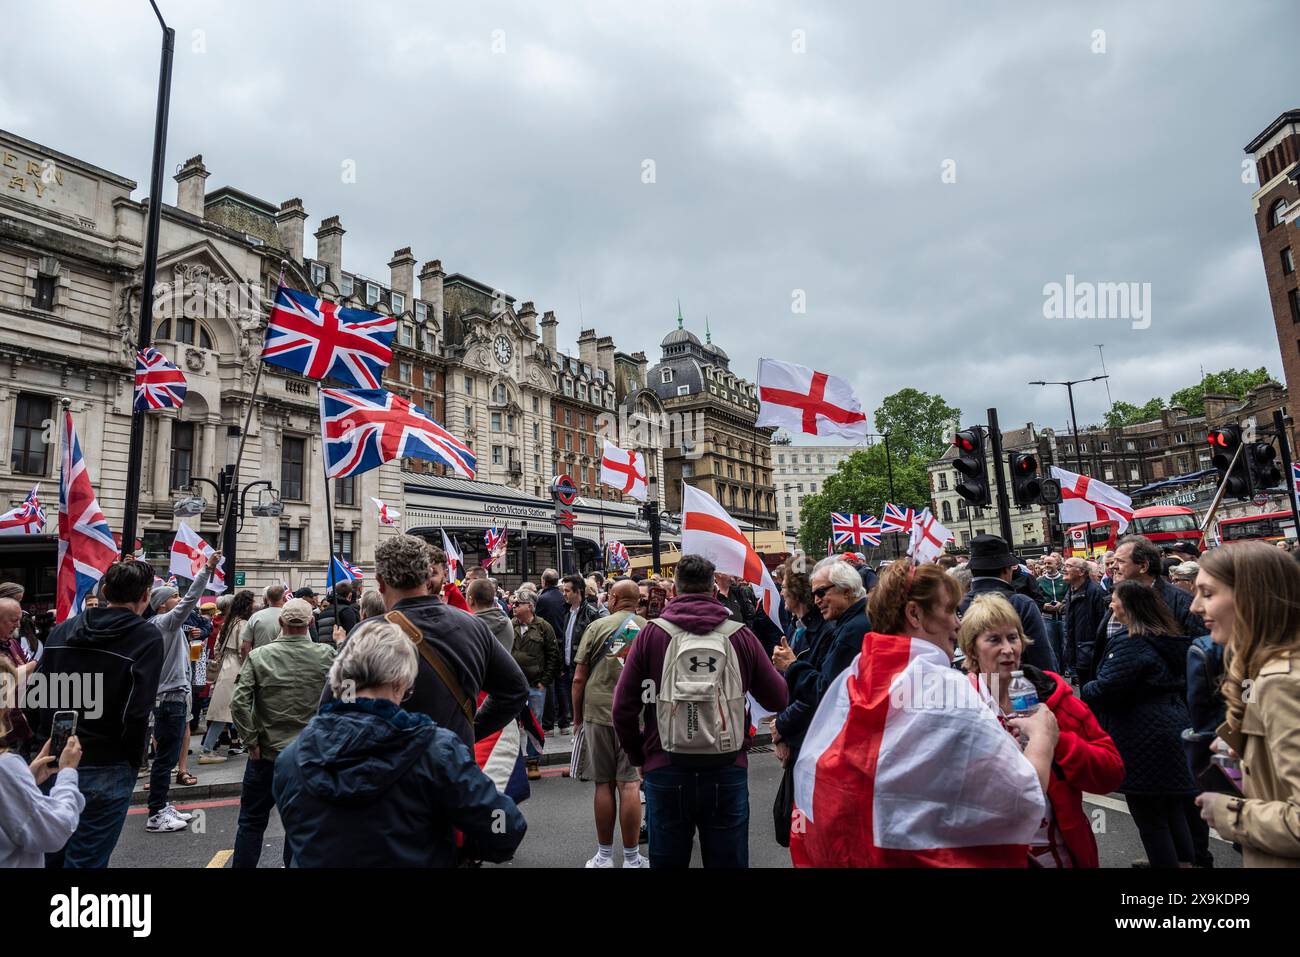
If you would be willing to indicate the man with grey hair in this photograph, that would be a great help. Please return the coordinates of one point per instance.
(276, 694)
(841, 598)
(1184, 576)
(264, 627)
(1085, 609)
(455, 644)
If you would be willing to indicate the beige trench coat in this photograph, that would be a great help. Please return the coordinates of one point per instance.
(223, 690)
(1267, 825)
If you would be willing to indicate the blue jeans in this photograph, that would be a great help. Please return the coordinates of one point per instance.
(561, 692)
(171, 726)
(255, 804)
(1056, 638)
(716, 803)
(107, 790)
(536, 704)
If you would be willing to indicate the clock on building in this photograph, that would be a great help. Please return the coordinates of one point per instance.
(503, 349)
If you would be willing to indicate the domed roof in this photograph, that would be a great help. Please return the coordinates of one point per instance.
(717, 350)
(679, 336)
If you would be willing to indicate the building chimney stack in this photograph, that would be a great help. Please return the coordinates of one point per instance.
(401, 269)
(431, 277)
(549, 322)
(291, 224)
(528, 316)
(191, 186)
(605, 356)
(587, 347)
(329, 247)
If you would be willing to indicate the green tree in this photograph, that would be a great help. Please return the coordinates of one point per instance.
(1235, 382)
(915, 422)
(1126, 413)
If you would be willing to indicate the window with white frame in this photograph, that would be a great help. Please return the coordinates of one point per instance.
(318, 274)
(345, 284)
(683, 390)
(666, 376)
(421, 311)
(372, 294)
(399, 303)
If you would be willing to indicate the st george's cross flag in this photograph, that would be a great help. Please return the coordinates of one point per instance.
(158, 383)
(905, 766)
(802, 400)
(624, 470)
(1084, 499)
(86, 544)
(364, 428)
(455, 560)
(928, 538)
(319, 338)
(708, 530)
(897, 519)
(28, 518)
(387, 516)
(850, 529)
(188, 556)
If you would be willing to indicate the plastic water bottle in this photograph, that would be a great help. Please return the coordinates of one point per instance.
(1024, 697)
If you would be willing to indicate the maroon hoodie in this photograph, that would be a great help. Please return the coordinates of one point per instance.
(698, 614)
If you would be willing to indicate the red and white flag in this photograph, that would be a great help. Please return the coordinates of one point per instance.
(1084, 499)
(189, 555)
(624, 470)
(455, 560)
(387, 516)
(928, 538)
(905, 766)
(708, 530)
(803, 400)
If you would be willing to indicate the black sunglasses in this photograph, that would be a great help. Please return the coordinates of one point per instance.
(820, 593)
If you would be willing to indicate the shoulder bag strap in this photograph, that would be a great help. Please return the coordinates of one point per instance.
(434, 661)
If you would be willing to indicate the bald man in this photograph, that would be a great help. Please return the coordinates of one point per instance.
(598, 664)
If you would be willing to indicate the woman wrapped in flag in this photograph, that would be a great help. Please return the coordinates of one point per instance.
(904, 765)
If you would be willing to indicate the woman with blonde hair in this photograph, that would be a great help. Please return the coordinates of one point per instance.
(33, 824)
(1248, 594)
(1085, 759)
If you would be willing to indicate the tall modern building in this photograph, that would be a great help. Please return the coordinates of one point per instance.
(1276, 152)
(800, 471)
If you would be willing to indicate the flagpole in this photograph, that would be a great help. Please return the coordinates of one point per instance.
(753, 491)
(329, 510)
(600, 490)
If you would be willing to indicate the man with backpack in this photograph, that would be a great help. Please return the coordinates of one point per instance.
(605, 644)
(688, 673)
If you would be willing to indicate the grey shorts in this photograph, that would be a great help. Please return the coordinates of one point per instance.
(603, 759)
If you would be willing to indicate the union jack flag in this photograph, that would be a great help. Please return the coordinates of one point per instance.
(364, 428)
(158, 383)
(317, 338)
(86, 544)
(341, 570)
(618, 556)
(1295, 479)
(895, 519)
(496, 545)
(27, 519)
(855, 529)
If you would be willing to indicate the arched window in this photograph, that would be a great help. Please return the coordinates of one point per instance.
(1276, 212)
(947, 512)
(187, 331)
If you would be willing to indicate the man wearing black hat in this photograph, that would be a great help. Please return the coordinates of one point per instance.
(993, 565)
(309, 596)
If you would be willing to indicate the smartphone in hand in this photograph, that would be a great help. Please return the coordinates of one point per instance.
(64, 726)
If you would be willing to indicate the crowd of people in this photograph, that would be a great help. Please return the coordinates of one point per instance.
(400, 725)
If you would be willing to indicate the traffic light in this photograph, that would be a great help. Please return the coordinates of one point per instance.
(1261, 461)
(1026, 489)
(1225, 442)
(971, 463)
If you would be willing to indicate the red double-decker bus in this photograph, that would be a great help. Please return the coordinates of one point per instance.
(1268, 527)
(1163, 524)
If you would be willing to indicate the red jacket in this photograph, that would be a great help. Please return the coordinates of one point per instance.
(1086, 759)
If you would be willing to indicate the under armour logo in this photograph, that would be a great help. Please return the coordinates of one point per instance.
(696, 664)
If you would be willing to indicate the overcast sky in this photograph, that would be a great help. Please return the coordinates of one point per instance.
(774, 170)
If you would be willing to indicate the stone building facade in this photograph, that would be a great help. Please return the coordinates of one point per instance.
(800, 471)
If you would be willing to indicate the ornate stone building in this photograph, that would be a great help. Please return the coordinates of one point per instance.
(712, 440)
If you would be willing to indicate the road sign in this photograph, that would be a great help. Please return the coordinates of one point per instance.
(1260, 499)
(239, 579)
(563, 489)
(564, 516)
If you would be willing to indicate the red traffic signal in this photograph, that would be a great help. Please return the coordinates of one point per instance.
(1025, 464)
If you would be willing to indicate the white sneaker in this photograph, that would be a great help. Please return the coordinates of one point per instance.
(183, 815)
(164, 822)
(598, 861)
(641, 861)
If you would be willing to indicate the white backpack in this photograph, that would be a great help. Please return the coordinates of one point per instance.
(700, 708)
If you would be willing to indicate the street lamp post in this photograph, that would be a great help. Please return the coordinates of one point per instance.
(1078, 446)
(136, 450)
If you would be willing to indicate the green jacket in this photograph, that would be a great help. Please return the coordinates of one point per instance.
(537, 652)
(278, 691)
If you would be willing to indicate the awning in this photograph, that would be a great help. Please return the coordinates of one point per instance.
(1169, 483)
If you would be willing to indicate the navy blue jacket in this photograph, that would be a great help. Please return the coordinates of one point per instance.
(829, 653)
(1039, 653)
(1138, 697)
(367, 784)
(1085, 610)
(554, 610)
(811, 647)
(1180, 603)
